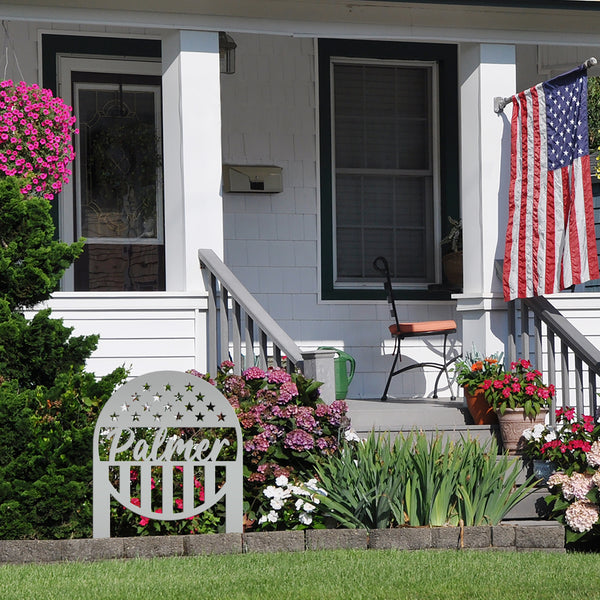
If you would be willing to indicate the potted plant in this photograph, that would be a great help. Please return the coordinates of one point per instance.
(520, 399)
(452, 259)
(471, 372)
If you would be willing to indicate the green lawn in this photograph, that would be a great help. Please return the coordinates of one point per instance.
(368, 574)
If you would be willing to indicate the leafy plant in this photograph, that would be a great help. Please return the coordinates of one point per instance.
(454, 236)
(520, 387)
(474, 368)
(415, 481)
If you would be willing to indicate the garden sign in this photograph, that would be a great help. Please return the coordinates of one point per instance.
(158, 439)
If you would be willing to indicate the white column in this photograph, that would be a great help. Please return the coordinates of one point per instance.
(192, 154)
(486, 71)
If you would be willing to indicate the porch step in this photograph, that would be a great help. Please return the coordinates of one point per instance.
(447, 417)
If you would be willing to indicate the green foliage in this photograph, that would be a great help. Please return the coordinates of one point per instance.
(46, 437)
(31, 261)
(594, 112)
(415, 481)
(34, 352)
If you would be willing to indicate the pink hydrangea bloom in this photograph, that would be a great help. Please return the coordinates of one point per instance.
(253, 373)
(581, 516)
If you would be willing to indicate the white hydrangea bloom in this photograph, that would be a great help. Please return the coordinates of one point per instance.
(351, 436)
(281, 481)
(305, 518)
(270, 491)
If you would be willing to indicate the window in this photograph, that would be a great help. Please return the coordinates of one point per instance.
(382, 165)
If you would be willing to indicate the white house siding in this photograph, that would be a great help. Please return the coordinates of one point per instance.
(143, 331)
(269, 117)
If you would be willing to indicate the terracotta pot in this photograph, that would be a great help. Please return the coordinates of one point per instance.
(512, 425)
(481, 411)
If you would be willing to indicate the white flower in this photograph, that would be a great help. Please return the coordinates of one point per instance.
(351, 435)
(281, 481)
(308, 507)
(299, 503)
(551, 435)
(305, 518)
(277, 503)
(262, 520)
(273, 517)
(528, 434)
(270, 491)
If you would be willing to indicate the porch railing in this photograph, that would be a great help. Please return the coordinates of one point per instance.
(555, 346)
(240, 329)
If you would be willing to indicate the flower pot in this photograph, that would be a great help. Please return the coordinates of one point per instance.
(512, 425)
(453, 269)
(542, 469)
(481, 411)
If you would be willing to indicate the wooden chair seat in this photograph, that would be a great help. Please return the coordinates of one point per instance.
(420, 328)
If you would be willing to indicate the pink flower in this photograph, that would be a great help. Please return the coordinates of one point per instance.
(253, 373)
(144, 521)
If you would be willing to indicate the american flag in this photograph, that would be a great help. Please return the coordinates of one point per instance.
(550, 238)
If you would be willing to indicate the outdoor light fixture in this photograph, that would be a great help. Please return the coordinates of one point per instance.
(227, 53)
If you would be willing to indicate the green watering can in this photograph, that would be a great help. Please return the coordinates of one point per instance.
(343, 376)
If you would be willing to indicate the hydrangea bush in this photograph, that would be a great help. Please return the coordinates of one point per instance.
(35, 138)
(287, 429)
(573, 447)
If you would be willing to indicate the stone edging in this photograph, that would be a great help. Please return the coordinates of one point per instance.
(525, 536)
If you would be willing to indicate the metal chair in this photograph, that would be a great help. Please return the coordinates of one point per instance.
(401, 331)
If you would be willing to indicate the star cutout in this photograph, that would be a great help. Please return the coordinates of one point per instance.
(168, 407)
(168, 387)
(178, 417)
(221, 417)
(189, 406)
(179, 396)
(200, 417)
(156, 397)
(189, 387)
(114, 417)
(146, 386)
(135, 417)
(210, 406)
(146, 407)
(200, 396)
(125, 407)
(157, 416)
(134, 398)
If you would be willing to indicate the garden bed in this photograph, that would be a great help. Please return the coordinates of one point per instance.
(523, 536)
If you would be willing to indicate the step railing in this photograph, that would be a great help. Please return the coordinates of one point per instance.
(556, 347)
(239, 329)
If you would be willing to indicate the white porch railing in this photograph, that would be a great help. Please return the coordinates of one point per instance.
(567, 358)
(241, 330)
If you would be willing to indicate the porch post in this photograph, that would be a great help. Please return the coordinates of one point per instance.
(192, 154)
(486, 71)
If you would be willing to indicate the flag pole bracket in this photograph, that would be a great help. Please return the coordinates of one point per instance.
(500, 103)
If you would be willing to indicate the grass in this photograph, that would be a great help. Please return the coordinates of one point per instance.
(324, 575)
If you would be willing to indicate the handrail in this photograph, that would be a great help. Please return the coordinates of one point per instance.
(575, 350)
(254, 333)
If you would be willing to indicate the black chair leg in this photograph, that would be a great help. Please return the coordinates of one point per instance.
(389, 379)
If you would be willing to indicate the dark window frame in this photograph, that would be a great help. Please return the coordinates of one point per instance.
(446, 57)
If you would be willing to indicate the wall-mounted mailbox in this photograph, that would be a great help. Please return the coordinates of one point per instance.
(250, 179)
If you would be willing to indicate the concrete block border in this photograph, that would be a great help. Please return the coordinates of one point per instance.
(546, 536)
